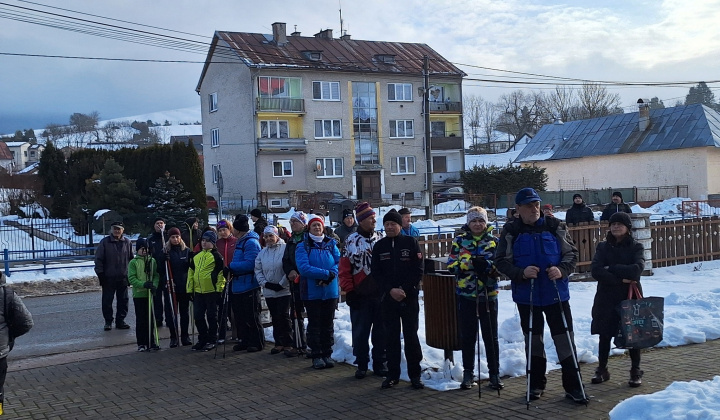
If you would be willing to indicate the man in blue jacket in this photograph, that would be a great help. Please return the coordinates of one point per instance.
(538, 256)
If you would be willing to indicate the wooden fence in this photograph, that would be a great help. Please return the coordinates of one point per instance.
(673, 242)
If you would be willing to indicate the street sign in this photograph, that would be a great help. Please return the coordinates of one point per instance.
(220, 184)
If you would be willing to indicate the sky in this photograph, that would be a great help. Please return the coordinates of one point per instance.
(614, 40)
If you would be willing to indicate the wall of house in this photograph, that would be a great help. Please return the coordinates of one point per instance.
(713, 170)
(691, 167)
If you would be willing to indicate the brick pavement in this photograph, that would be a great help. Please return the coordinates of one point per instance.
(177, 383)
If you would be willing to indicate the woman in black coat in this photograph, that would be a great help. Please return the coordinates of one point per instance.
(617, 263)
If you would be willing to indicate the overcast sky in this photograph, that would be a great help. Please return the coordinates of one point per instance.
(640, 41)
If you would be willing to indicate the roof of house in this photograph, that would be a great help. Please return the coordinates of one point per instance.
(261, 51)
(16, 143)
(5, 153)
(672, 128)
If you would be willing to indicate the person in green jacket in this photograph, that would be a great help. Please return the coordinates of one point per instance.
(144, 278)
(206, 282)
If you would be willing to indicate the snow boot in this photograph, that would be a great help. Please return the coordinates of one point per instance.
(495, 382)
(635, 377)
(318, 363)
(601, 375)
(467, 381)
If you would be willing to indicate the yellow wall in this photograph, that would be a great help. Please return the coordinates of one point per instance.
(295, 122)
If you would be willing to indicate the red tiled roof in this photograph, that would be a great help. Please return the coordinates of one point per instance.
(5, 153)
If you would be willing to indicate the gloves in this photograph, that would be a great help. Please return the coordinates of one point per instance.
(326, 282)
(480, 265)
(331, 277)
(491, 282)
(274, 286)
(351, 297)
(148, 285)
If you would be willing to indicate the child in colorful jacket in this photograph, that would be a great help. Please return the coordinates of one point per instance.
(206, 282)
(144, 278)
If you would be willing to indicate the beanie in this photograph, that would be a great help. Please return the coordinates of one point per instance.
(270, 229)
(347, 213)
(173, 231)
(477, 213)
(241, 223)
(363, 211)
(316, 218)
(140, 244)
(210, 236)
(577, 196)
(223, 224)
(256, 212)
(393, 216)
(621, 217)
(617, 193)
(158, 219)
(300, 217)
(190, 221)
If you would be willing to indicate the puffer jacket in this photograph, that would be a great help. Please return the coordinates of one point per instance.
(22, 319)
(269, 269)
(243, 264)
(206, 272)
(179, 264)
(354, 270)
(315, 261)
(460, 262)
(112, 257)
(138, 271)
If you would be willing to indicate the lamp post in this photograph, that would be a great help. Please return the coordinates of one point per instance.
(428, 141)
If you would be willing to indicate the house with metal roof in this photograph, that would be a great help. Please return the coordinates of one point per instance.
(23, 154)
(285, 113)
(648, 148)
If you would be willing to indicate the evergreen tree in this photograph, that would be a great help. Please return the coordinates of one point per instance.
(503, 180)
(169, 200)
(701, 94)
(109, 189)
(52, 171)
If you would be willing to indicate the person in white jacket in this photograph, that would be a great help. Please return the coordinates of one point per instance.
(275, 287)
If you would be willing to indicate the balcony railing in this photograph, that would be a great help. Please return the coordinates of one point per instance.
(445, 107)
(442, 177)
(274, 145)
(281, 105)
(446, 143)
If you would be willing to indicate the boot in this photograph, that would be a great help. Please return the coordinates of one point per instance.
(601, 375)
(495, 382)
(467, 381)
(635, 377)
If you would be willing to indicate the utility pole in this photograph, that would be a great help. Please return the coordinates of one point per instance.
(428, 142)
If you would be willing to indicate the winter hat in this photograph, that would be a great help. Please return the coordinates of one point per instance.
(118, 224)
(347, 213)
(270, 229)
(577, 196)
(190, 221)
(140, 244)
(158, 219)
(210, 236)
(393, 216)
(404, 211)
(363, 211)
(300, 217)
(621, 217)
(223, 224)
(617, 193)
(316, 218)
(241, 223)
(477, 213)
(526, 195)
(256, 212)
(547, 206)
(173, 231)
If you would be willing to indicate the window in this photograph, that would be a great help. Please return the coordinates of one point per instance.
(327, 129)
(326, 91)
(401, 129)
(329, 167)
(215, 139)
(274, 129)
(399, 92)
(403, 165)
(437, 129)
(282, 168)
(215, 172)
(314, 55)
(212, 98)
(279, 87)
(385, 58)
(32, 154)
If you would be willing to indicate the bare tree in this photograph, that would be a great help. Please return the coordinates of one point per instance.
(472, 109)
(488, 118)
(596, 101)
(521, 112)
(563, 103)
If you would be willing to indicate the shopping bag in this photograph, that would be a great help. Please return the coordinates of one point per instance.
(641, 320)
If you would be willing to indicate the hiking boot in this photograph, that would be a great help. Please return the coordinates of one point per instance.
(277, 350)
(208, 346)
(122, 325)
(198, 346)
(142, 348)
(154, 347)
(173, 343)
(601, 375)
(253, 349)
(108, 326)
(360, 373)
(468, 380)
(495, 382)
(380, 370)
(291, 352)
(417, 383)
(577, 395)
(318, 363)
(389, 383)
(185, 341)
(329, 362)
(240, 347)
(635, 377)
(536, 393)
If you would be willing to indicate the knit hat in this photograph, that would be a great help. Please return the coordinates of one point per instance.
(577, 196)
(617, 193)
(526, 195)
(210, 236)
(621, 217)
(363, 211)
(173, 231)
(404, 211)
(256, 212)
(190, 221)
(270, 229)
(223, 224)
(300, 217)
(316, 218)
(393, 216)
(241, 223)
(140, 244)
(477, 213)
(347, 213)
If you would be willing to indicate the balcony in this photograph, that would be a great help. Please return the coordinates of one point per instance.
(440, 178)
(281, 146)
(281, 105)
(445, 107)
(446, 143)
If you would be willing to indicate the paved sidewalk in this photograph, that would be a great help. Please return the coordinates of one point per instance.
(179, 384)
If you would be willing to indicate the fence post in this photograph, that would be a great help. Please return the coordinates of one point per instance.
(641, 233)
(6, 256)
(44, 261)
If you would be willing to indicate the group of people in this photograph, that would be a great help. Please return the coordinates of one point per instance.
(579, 212)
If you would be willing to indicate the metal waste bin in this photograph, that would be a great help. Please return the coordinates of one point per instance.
(441, 325)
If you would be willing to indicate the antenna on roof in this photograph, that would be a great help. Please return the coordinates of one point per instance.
(341, 21)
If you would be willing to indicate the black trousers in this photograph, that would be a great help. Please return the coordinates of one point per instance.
(162, 303)
(397, 315)
(321, 328)
(183, 300)
(246, 309)
(297, 308)
(565, 347)
(142, 322)
(115, 288)
(3, 375)
(604, 353)
(469, 311)
(279, 308)
(205, 312)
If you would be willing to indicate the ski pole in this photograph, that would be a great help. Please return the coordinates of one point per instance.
(223, 319)
(495, 358)
(528, 352)
(477, 317)
(173, 296)
(150, 316)
(570, 343)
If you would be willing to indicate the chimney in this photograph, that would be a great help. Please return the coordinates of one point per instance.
(345, 37)
(643, 114)
(279, 35)
(324, 34)
(296, 33)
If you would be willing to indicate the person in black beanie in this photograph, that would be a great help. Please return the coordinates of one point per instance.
(259, 224)
(579, 212)
(191, 233)
(347, 227)
(617, 205)
(397, 267)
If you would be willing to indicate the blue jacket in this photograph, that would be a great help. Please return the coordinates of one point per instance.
(544, 244)
(242, 266)
(315, 261)
(411, 231)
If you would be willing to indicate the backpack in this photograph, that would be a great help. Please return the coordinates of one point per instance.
(9, 314)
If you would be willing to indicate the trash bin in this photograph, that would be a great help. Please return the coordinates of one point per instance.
(441, 325)
(336, 207)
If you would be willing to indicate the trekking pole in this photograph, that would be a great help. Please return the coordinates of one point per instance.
(150, 316)
(570, 343)
(192, 319)
(173, 296)
(528, 352)
(296, 326)
(223, 319)
(477, 317)
(492, 335)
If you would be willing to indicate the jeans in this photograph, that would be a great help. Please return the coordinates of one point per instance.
(115, 288)
(365, 316)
